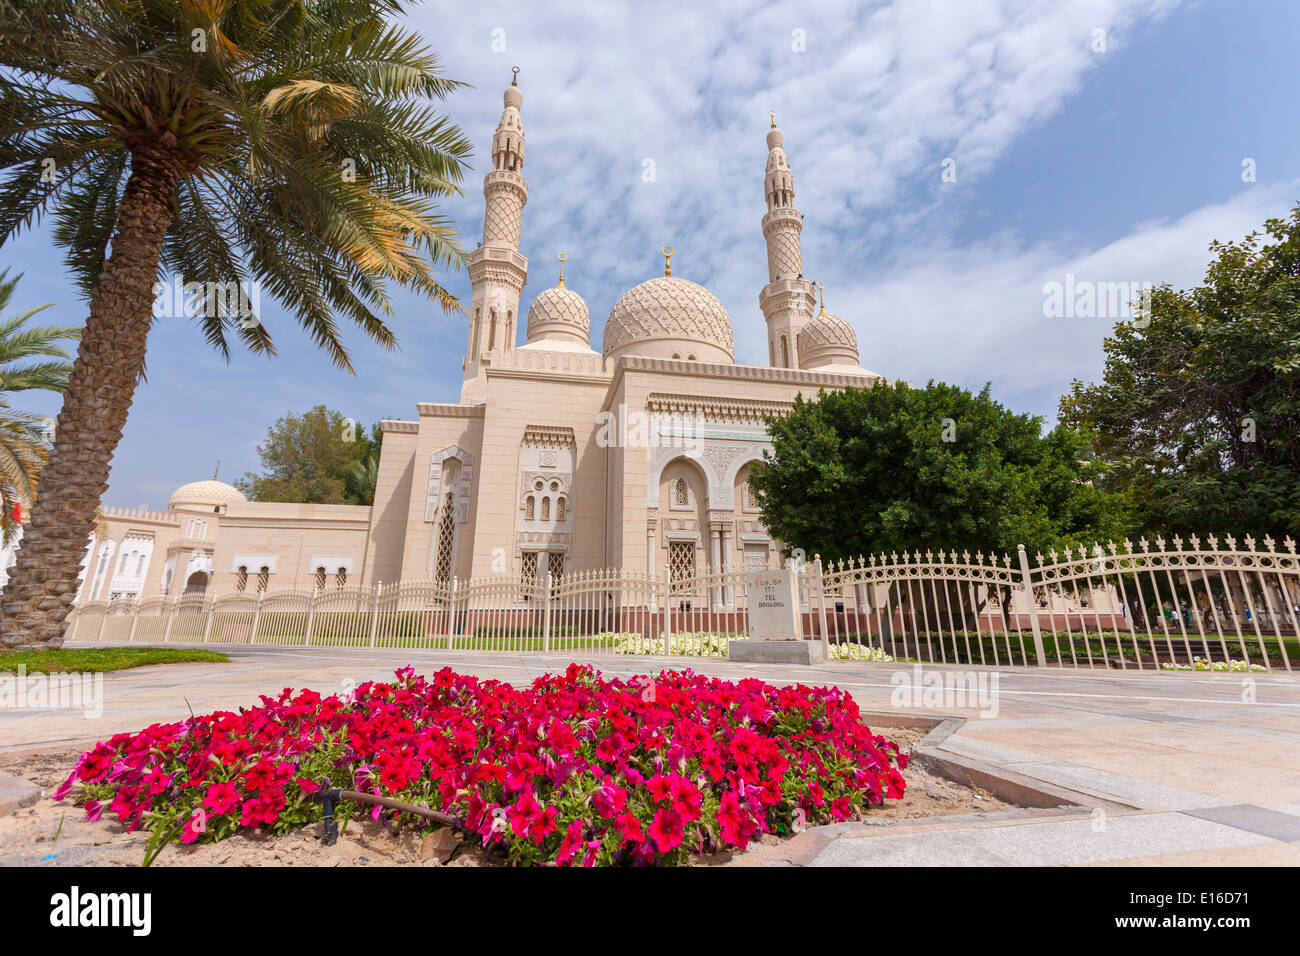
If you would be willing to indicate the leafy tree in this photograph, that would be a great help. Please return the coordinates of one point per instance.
(288, 145)
(1198, 409)
(315, 458)
(894, 468)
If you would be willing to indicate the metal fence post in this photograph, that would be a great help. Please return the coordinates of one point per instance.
(311, 614)
(99, 634)
(135, 619)
(1028, 587)
(451, 612)
(257, 617)
(208, 616)
(821, 600)
(374, 614)
(546, 611)
(171, 616)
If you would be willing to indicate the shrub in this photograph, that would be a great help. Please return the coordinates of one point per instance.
(572, 770)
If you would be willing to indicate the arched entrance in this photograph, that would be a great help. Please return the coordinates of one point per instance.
(196, 583)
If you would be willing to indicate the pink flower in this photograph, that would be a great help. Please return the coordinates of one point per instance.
(666, 830)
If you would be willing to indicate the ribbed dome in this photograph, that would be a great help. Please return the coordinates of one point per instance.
(560, 316)
(210, 492)
(827, 340)
(668, 317)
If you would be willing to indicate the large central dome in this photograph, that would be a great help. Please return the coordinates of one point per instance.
(668, 317)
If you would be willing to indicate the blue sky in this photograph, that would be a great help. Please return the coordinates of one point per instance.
(1119, 165)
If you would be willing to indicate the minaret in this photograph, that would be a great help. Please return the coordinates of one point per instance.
(788, 298)
(497, 271)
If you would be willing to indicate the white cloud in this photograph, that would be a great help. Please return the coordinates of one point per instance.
(975, 313)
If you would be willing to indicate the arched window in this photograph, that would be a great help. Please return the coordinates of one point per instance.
(560, 509)
(121, 565)
(546, 509)
(680, 494)
(320, 579)
(478, 328)
(751, 497)
(139, 565)
(530, 508)
(341, 578)
(241, 579)
(263, 578)
(785, 352)
(492, 332)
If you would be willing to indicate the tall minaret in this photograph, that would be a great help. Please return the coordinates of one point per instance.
(497, 271)
(787, 299)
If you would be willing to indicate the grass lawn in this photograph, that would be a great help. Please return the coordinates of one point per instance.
(90, 660)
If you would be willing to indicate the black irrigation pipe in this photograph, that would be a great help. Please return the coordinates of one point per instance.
(331, 798)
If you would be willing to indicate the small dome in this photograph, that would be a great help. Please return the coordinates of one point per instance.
(559, 316)
(210, 492)
(668, 317)
(827, 340)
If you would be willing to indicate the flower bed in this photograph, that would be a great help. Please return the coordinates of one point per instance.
(678, 644)
(572, 770)
(1201, 664)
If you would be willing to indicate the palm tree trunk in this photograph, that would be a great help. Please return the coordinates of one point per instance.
(43, 584)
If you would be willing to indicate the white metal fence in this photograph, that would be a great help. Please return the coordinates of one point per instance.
(1178, 605)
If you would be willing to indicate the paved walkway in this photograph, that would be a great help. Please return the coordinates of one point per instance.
(1169, 768)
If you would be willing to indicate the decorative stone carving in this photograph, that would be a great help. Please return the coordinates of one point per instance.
(435, 482)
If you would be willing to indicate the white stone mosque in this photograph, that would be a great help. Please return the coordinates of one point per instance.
(557, 457)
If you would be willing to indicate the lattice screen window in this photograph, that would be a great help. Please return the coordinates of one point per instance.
(680, 492)
(341, 578)
(531, 508)
(446, 538)
(681, 564)
(546, 509)
(555, 565)
(241, 579)
(263, 579)
(320, 579)
(751, 498)
(559, 509)
(528, 572)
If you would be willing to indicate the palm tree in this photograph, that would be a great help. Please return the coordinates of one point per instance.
(23, 448)
(18, 344)
(22, 453)
(288, 144)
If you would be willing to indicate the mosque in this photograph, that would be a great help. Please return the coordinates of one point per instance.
(556, 458)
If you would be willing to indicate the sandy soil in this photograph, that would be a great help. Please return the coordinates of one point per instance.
(58, 834)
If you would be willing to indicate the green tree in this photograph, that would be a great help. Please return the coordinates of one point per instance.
(314, 458)
(288, 145)
(894, 468)
(1198, 409)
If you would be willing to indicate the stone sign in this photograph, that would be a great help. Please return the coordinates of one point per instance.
(773, 605)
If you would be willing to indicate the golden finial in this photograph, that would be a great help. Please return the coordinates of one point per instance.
(563, 258)
(667, 253)
(772, 113)
(821, 287)
(514, 80)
